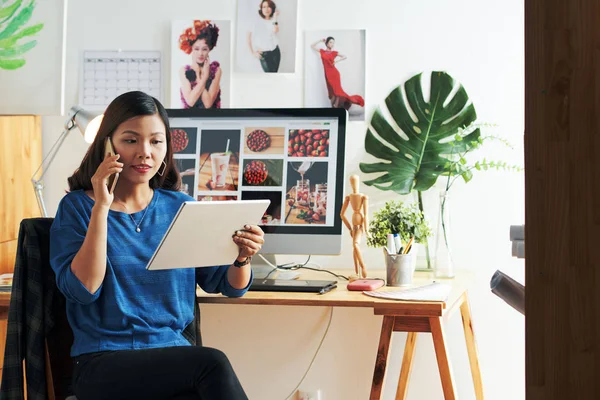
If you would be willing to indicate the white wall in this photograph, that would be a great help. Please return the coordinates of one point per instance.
(480, 43)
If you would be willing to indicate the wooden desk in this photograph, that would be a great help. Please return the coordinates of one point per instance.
(398, 316)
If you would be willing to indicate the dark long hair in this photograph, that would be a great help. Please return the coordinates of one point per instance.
(126, 106)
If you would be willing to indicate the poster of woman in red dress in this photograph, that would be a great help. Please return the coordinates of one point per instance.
(340, 85)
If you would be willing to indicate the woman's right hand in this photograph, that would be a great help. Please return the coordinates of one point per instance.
(109, 166)
(258, 54)
(206, 68)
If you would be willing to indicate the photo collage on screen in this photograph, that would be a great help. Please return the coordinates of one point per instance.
(289, 164)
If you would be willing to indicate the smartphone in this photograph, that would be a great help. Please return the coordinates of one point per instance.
(109, 150)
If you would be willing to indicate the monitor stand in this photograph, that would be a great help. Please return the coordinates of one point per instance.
(261, 269)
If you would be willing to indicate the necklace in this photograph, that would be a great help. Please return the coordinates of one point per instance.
(137, 224)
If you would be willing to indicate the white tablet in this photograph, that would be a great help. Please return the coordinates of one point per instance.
(201, 233)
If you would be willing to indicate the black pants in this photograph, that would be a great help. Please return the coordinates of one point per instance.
(191, 372)
(270, 60)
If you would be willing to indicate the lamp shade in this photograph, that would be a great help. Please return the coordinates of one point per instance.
(88, 122)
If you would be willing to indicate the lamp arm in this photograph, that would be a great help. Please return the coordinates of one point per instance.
(38, 183)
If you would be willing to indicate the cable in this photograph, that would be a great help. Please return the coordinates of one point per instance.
(283, 267)
(325, 270)
(269, 263)
(293, 267)
(314, 357)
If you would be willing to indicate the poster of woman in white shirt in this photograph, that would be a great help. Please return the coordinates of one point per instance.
(266, 36)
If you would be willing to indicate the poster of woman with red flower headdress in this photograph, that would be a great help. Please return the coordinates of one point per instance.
(200, 64)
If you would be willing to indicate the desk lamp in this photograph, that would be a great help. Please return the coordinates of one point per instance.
(88, 123)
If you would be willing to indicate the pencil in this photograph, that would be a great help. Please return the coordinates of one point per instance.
(407, 248)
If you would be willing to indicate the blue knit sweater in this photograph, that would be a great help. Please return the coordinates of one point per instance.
(133, 308)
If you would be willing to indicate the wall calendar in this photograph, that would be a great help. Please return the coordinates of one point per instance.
(107, 74)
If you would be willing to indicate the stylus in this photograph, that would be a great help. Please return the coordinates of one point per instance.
(327, 289)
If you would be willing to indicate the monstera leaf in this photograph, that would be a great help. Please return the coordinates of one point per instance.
(416, 161)
(12, 18)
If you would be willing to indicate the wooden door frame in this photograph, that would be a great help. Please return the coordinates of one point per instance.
(562, 199)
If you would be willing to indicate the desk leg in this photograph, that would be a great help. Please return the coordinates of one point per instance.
(385, 338)
(471, 347)
(409, 351)
(441, 353)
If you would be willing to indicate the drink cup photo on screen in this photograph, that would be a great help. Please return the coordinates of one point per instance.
(219, 160)
(219, 167)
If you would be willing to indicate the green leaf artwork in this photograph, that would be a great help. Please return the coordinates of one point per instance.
(13, 18)
(415, 158)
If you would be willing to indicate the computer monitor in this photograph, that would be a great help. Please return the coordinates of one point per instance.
(291, 156)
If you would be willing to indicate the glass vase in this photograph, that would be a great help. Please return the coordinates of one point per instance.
(443, 266)
(426, 249)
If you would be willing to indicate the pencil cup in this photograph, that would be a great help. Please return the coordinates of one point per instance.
(399, 268)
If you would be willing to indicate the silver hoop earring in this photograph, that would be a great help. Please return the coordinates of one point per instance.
(164, 169)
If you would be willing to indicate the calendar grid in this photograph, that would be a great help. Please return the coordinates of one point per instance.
(107, 74)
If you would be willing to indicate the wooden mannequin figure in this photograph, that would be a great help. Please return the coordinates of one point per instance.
(359, 203)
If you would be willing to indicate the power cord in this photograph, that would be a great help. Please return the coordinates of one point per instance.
(317, 269)
(294, 267)
(315, 356)
(283, 267)
(269, 263)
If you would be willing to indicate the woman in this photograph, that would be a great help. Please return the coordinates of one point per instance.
(127, 322)
(337, 96)
(200, 81)
(262, 40)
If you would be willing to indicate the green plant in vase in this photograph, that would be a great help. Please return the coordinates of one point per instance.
(397, 217)
(434, 140)
(414, 157)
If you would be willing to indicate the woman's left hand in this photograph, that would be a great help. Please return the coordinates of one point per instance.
(276, 13)
(249, 240)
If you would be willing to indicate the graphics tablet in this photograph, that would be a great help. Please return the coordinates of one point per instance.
(201, 233)
(291, 285)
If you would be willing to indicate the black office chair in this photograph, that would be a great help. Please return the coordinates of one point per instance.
(45, 337)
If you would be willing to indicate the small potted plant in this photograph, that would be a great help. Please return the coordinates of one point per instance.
(397, 217)
(409, 223)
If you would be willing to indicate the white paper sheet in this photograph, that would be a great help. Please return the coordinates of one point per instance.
(433, 292)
